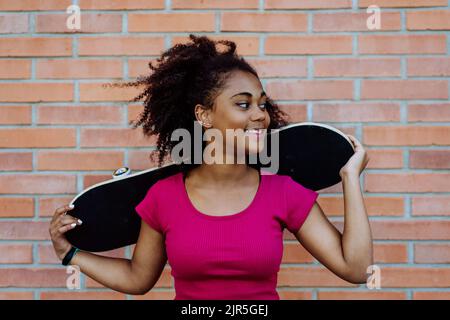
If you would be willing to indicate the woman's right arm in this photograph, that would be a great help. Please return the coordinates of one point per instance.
(135, 276)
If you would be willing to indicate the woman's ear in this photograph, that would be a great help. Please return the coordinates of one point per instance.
(203, 115)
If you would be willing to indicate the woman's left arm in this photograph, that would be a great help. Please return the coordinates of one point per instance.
(349, 254)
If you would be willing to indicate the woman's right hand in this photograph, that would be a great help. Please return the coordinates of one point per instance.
(60, 224)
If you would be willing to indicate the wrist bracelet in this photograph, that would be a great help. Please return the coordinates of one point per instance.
(72, 252)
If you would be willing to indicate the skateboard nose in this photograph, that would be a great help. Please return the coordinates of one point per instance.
(121, 172)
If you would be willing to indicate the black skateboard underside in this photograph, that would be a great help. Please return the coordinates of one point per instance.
(312, 155)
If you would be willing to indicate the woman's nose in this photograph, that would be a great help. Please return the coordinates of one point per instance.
(258, 114)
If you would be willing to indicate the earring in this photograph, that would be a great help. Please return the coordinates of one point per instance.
(202, 123)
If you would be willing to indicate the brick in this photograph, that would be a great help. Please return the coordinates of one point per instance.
(90, 23)
(133, 111)
(79, 160)
(80, 295)
(295, 112)
(164, 281)
(276, 68)
(394, 229)
(311, 89)
(245, 45)
(402, 3)
(120, 4)
(37, 138)
(35, 47)
(385, 159)
(33, 278)
(137, 67)
(37, 183)
(406, 135)
(429, 159)
(383, 253)
(36, 92)
(428, 20)
(296, 253)
(24, 230)
(14, 23)
(294, 295)
(431, 253)
(91, 92)
(357, 67)
(156, 295)
(120, 46)
(410, 182)
(78, 69)
(80, 115)
(310, 277)
(361, 295)
(19, 295)
(139, 160)
(16, 161)
(47, 254)
(349, 21)
(15, 69)
(16, 253)
(404, 89)
(375, 206)
(307, 4)
(48, 206)
(390, 253)
(308, 44)
(419, 229)
(415, 277)
(430, 205)
(34, 5)
(353, 112)
(171, 22)
(263, 22)
(215, 4)
(429, 112)
(91, 179)
(22, 207)
(115, 138)
(427, 66)
(402, 44)
(431, 295)
(15, 115)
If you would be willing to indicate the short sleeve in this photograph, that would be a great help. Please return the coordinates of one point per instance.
(298, 203)
(148, 210)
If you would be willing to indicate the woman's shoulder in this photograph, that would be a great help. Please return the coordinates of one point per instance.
(275, 178)
(282, 182)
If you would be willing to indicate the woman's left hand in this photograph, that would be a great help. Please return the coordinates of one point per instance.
(356, 164)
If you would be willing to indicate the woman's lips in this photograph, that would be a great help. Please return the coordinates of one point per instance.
(254, 132)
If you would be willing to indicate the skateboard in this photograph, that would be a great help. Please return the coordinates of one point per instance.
(310, 153)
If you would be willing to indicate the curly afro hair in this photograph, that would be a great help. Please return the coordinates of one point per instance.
(187, 75)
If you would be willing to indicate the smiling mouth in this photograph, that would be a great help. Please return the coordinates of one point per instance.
(254, 131)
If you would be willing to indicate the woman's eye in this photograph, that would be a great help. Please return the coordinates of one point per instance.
(264, 105)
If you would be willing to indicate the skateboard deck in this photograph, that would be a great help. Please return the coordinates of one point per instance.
(311, 153)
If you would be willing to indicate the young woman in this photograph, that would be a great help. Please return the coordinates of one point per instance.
(220, 226)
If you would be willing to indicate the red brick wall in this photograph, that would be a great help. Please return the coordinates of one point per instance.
(61, 131)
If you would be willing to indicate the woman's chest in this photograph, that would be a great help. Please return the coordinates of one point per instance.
(236, 247)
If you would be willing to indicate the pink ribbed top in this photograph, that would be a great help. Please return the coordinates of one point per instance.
(236, 256)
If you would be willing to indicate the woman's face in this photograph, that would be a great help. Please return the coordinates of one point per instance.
(240, 105)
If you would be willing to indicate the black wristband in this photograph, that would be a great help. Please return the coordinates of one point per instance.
(69, 255)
